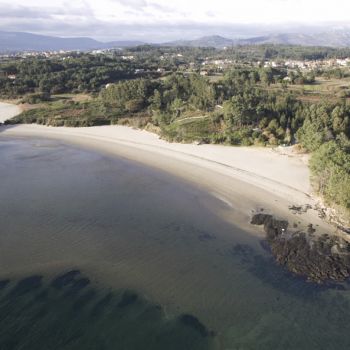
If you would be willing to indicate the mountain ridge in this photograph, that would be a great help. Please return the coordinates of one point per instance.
(331, 39)
(22, 41)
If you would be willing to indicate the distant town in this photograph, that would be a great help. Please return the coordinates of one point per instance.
(215, 65)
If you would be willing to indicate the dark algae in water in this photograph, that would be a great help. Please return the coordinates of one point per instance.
(69, 313)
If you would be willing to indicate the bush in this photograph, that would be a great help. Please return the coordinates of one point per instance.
(330, 167)
(310, 136)
(37, 98)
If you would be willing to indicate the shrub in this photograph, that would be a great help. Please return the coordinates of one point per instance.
(330, 167)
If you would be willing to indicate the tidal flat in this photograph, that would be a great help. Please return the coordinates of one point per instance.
(99, 252)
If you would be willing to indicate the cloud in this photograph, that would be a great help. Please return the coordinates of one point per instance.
(147, 20)
(156, 32)
(10, 12)
(132, 3)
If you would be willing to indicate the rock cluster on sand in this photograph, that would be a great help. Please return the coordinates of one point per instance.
(319, 258)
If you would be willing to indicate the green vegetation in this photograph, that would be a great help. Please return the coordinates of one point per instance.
(325, 132)
(76, 73)
(330, 166)
(66, 113)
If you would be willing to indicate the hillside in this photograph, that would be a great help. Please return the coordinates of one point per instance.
(206, 41)
(332, 39)
(19, 41)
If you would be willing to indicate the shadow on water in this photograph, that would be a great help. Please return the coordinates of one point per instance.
(278, 277)
(69, 313)
(4, 283)
(26, 285)
(299, 314)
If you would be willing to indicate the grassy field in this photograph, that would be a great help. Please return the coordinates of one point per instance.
(331, 89)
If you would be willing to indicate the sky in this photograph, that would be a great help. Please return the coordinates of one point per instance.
(162, 20)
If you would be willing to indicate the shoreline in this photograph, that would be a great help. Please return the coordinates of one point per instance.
(244, 180)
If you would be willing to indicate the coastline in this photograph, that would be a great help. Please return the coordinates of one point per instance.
(244, 180)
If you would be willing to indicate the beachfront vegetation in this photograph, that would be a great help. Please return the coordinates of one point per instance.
(330, 166)
(167, 90)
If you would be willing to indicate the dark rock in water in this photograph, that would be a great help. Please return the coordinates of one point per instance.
(101, 305)
(128, 298)
(42, 296)
(65, 279)
(38, 316)
(76, 286)
(265, 245)
(83, 300)
(4, 283)
(244, 252)
(26, 285)
(194, 323)
(260, 219)
(43, 311)
(310, 229)
(206, 237)
(318, 258)
(272, 226)
(299, 209)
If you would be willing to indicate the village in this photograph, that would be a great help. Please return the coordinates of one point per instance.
(165, 60)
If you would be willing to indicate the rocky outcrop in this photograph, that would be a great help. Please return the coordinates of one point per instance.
(319, 258)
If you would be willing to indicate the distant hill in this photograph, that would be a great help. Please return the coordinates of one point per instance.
(281, 39)
(334, 39)
(206, 41)
(19, 41)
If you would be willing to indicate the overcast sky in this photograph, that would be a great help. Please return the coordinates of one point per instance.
(161, 20)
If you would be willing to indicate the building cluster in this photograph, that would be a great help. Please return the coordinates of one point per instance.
(308, 64)
(218, 63)
(28, 54)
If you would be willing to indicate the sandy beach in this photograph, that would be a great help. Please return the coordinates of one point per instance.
(243, 179)
(8, 110)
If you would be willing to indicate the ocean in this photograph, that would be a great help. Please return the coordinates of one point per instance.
(99, 252)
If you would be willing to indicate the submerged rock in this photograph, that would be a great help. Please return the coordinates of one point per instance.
(319, 258)
(194, 323)
(272, 227)
(26, 285)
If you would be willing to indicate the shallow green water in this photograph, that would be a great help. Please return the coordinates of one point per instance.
(157, 268)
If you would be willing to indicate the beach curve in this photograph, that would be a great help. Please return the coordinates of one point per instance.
(249, 178)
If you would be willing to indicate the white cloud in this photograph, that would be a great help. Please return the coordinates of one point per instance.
(233, 11)
(135, 16)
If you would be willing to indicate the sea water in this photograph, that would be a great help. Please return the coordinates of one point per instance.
(98, 252)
